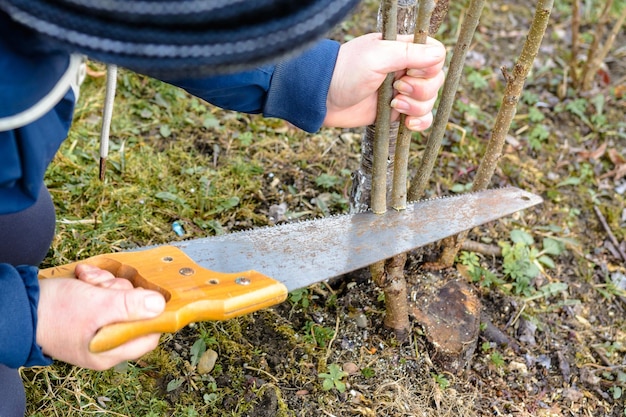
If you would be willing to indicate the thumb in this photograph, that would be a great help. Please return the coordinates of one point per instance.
(137, 304)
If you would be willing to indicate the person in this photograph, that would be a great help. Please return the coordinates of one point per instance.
(324, 84)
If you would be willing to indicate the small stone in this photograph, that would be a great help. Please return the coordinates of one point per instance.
(350, 368)
(207, 362)
(361, 321)
(519, 367)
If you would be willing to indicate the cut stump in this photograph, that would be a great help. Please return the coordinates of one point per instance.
(450, 316)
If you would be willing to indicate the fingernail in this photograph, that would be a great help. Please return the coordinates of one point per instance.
(399, 104)
(402, 87)
(414, 72)
(415, 123)
(154, 303)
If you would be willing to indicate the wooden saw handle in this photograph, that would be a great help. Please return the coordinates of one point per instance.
(192, 293)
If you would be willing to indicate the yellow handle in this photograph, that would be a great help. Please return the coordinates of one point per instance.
(192, 293)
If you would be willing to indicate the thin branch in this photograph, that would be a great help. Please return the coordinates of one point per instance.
(403, 143)
(440, 12)
(383, 117)
(575, 40)
(599, 55)
(502, 124)
(451, 84)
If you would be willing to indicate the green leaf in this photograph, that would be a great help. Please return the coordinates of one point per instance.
(227, 204)
(167, 196)
(547, 261)
(327, 180)
(520, 236)
(211, 122)
(477, 80)
(333, 378)
(246, 138)
(328, 383)
(617, 392)
(553, 246)
(549, 290)
(198, 348)
(569, 181)
(535, 115)
(175, 384)
(539, 132)
(460, 188)
(165, 131)
(341, 387)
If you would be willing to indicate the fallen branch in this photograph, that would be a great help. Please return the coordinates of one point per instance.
(609, 232)
(482, 248)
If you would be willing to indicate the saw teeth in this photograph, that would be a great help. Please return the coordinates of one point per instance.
(337, 215)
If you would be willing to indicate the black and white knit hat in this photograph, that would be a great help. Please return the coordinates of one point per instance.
(181, 37)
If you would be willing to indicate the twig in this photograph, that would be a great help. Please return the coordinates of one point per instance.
(250, 368)
(608, 231)
(482, 248)
(575, 37)
(332, 340)
(593, 62)
(440, 12)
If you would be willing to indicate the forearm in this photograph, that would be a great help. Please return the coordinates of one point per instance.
(294, 90)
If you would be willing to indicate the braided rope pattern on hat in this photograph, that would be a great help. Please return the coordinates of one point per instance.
(171, 38)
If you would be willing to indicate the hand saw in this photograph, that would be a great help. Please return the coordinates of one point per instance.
(259, 267)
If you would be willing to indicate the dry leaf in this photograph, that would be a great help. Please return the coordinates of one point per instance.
(594, 154)
(616, 158)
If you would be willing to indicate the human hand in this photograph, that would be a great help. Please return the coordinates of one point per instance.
(71, 311)
(362, 65)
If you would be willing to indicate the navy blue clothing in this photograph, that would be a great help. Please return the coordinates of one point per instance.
(294, 90)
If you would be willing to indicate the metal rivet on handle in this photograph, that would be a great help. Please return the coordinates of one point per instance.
(167, 259)
(186, 271)
(242, 281)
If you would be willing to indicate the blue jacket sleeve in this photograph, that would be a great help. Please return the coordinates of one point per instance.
(18, 317)
(294, 90)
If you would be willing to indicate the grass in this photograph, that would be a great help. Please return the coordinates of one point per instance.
(210, 179)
